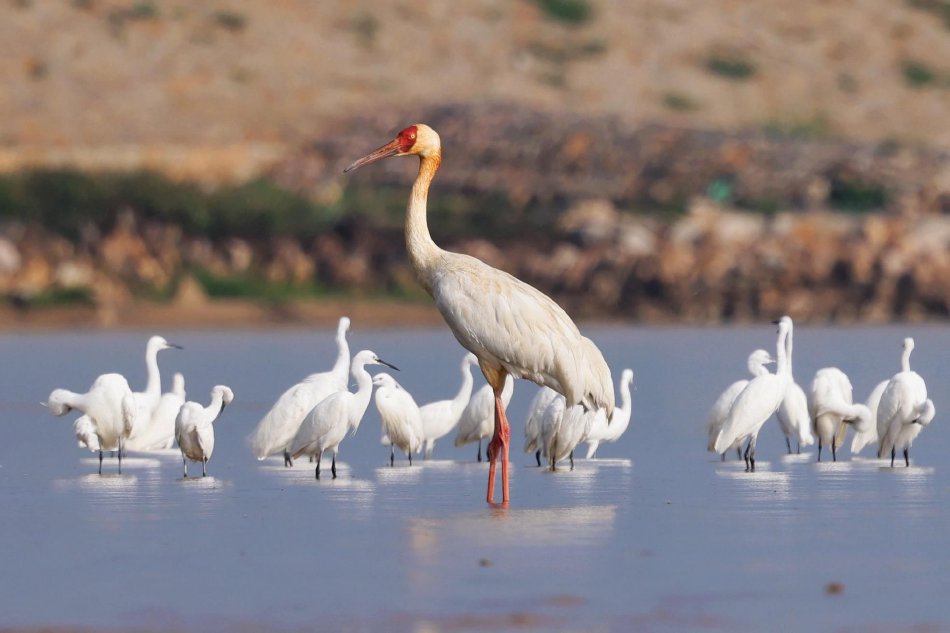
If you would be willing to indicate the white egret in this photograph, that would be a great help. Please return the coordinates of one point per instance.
(399, 415)
(550, 424)
(276, 430)
(757, 402)
(793, 416)
(756, 364)
(110, 407)
(325, 426)
(511, 327)
(194, 427)
(601, 430)
(160, 434)
(533, 442)
(869, 435)
(904, 409)
(565, 431)
(146, 401)
(440, 417)
(832, 408)
(478, 418)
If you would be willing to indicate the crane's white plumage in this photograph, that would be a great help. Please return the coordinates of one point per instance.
(832, 409)
(511, 327)
(399, 416)
(478, 418)
(160, 433)
(325, 426)
(757, 402)
(904, 409)
(440, 417)
(718, 413)
(603, 431)
(533, 442)
(277, 428)
(194, 427)
(146, 401)
(108, 404)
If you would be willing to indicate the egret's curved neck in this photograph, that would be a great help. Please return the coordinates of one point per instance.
(70, 399)
(364, 390)
(781, 356)
(342, 364)
(625, 397)
(905, 358)
(153, 386)
(423, 252)
(465, 391)
(216, 407)
(788, 351)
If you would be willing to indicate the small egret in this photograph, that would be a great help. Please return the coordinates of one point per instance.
(720, 410)
(478, 418)
(399, 415)
(832, 408)
(512, 327)
(757, 402)
(325, 426)
(601, 430)
(440, 417)
(533, 442)
(146, 401)
(904, 409)
(194, 427)
(793, 416)
(276, 430)
(869, 436)
(550, 423)
(110, 407)
(160, 434)
(569, 429)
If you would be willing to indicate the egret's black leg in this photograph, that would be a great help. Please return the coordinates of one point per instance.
(479, 456)
(893, 454)
(409, 453)
(834, 449)
(392, 456)
(722, 457)
(752, 455)
(120, 456)
(907, 457)
(184, 463)
(572, 460)
(798, 451)
(746, 456)
(288, 462)
(100, 462)
(204, 468)
(738, 453)
(819, 448)
(537, 456)
(788, 444)
(318, 464)
(333, 466)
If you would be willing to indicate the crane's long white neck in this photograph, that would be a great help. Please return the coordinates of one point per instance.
(465, 391)
(342, 364)
(423, 252)
(364, 390)
(153, 387)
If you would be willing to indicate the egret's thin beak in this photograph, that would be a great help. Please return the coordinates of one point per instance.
(174, 346)
(390, 365)
(389, 149)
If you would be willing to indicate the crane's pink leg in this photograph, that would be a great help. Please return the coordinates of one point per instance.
(498, 447)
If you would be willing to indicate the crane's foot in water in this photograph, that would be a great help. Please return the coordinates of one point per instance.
(288, 462)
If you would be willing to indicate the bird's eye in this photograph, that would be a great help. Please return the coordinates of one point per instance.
(412, 136)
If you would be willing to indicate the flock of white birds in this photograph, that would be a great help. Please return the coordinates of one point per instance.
(314, 416)
(893, 415)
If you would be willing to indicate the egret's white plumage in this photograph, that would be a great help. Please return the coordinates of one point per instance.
(757, 402)
(108, 404)
(869, 435)
(832, 409)
(603, 431)
(399, 416)
(274, 433)
(194, 427)
(160, 434)
(146, 401)
(756, 364)
(793, 416)
(440, 417)
(550, 424)
(511, 327)
(86, 433)
(478, 418)
(904, 409)
(325, 426)
(533, 442)
(568, 430)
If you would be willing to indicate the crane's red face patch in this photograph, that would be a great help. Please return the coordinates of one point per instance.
(407, 138)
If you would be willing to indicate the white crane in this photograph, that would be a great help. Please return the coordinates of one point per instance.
(325, 426)
(511, 327)
(108, 404)
(904, 409)
(533, 442)
(194, 427)
(399, 416)
(478, 418)
(440, 417)
(603, 431)
(160, 434)
(832, 408)
(757, 402)
(147, 400)
(756, 364)
(276, 430)
(793, 416)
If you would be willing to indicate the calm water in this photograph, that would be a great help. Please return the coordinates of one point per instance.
(656, 535)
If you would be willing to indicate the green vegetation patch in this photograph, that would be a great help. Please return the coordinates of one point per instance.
(572, 12)
(730, 65)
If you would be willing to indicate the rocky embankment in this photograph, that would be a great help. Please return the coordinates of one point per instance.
(650, 224)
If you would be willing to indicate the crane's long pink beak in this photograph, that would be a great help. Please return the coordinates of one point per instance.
(389, 149)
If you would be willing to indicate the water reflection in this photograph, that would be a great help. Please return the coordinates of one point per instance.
(763, 484)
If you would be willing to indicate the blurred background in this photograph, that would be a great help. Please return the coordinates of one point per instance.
(654, 161)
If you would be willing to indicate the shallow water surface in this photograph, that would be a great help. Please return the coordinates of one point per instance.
(654, 535)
